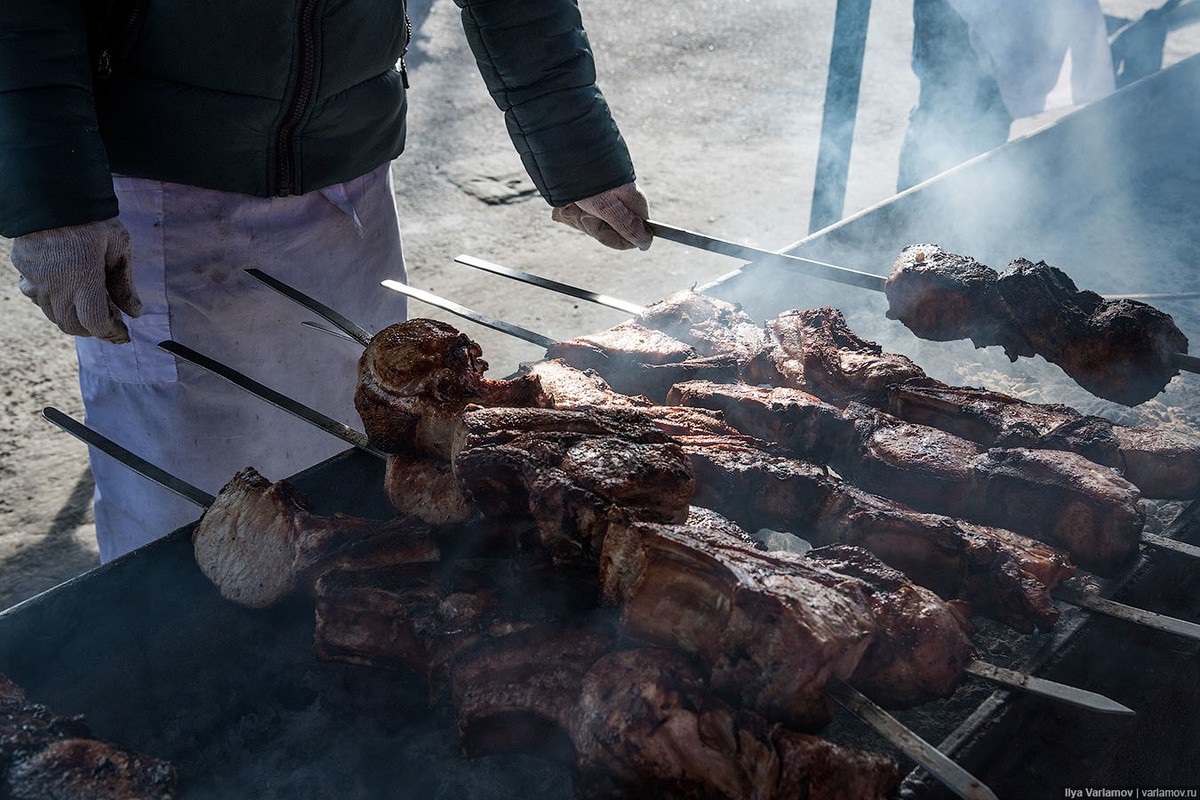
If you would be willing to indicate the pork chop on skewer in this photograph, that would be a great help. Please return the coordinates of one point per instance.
(1059, 498)
(415, 379)
(1121, 350)
(259, 541)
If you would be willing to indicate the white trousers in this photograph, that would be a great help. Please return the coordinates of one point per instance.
(190, 247)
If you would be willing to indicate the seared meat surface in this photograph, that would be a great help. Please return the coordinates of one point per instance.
(259, 541)
(824, 357)
(426, 488)
(416, 377)
(942, 296)
(1116, 349)
(922, 643)
(636, 360)
(1001, 574)
(47, 757)
(1059, 498)
(713, 327)
(816, 351)
(572, 387)
(771, 628)
(646, 726)
(567, 467)
(1120, 350)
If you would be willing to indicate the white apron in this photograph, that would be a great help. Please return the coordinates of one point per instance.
(190, 247)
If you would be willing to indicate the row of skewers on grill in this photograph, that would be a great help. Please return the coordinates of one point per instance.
(584, 454)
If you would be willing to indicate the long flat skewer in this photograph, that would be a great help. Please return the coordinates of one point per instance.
(937, 763)
(134, 462)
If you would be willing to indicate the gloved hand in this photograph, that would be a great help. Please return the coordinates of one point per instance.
(81, 278)
(615, 217)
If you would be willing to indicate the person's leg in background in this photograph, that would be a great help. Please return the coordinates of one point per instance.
(190, 249)
(959, 112)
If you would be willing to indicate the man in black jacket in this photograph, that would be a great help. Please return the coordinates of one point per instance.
(150, 150)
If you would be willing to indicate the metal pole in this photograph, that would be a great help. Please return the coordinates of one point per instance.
(841, 109)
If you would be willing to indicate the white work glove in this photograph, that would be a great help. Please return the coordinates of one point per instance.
(80, 277)
(615, 217)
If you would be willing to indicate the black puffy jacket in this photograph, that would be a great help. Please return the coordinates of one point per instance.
(269, 97)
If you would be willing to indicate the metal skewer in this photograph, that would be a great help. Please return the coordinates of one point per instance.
(937, 763)
(136, 463)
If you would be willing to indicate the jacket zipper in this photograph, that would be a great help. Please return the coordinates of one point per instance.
(404, 52)
(285, 162)
(119, 41)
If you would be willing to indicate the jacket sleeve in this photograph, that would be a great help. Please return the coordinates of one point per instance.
(53, 166)
(536, 61)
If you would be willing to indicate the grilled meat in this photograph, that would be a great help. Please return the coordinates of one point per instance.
(47, 757)
(1120, 350)
(638, 361)
(426, 488)
(1059, 498)
(419, 617)
(519, 692)
(815, 351)
(942, 296)
(416, 377)
(640, 723)
(713, 327)
(567, 467)
(1001, 574)
(259, 541)
(646, 726)
(922, 643)
(770, 628)
(571, 387)
(825, 357)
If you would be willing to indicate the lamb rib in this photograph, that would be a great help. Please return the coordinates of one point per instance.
(1059, 498)
(1002, 574)
(259, 541)
(416, 377)
(816, 351)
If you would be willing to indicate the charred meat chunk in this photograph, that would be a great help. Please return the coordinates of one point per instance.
(1121, 350)
(416, 377)
(636, 360)
(44, 756)
(260, 541)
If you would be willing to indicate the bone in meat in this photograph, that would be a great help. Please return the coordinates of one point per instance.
(44, 756)
(638, 361)
(416, 377)
(825, 357)
(1059, 498)
(260, 541)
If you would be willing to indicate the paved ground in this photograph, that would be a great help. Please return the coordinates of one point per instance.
(720, 103)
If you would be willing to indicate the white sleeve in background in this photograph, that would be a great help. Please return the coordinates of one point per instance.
(1044, 54)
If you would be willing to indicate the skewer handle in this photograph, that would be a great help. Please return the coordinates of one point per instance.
(136, 463)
